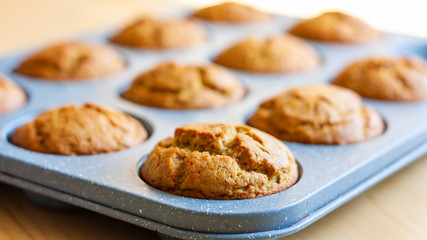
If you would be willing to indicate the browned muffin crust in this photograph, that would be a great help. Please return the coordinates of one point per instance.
(155, 34)
(335, 27)
(230, 12)
(318, 114)
(80, 130)
(72, 61)
(12, 97)
(386, 78)
(175, 86)
(220, 161)
(279, 54)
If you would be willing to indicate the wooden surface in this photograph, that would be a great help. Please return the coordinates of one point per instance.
(394, 209)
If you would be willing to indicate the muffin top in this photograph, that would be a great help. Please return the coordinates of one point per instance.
(220, 161)
(72, 61)
(318, 114)
(12, 97)
(387, 78)
(230, 12)
(175, 86)
(80, 130)
(154, 34)
(279, 54)
(335, 27)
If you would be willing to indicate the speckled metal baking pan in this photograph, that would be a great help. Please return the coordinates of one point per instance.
(109, 183)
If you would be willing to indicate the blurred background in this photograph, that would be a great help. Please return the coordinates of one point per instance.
(29, 22)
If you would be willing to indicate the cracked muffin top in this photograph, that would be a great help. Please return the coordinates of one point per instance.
(279, 54)
(386, 78)
(220, 161)
(12, 97)
(155, 34)
(175, 86)
(230, 12)
(335, 27)
(79, 130)
(72, 61)
(318, 114)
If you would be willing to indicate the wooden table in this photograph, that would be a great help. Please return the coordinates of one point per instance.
(394, 209)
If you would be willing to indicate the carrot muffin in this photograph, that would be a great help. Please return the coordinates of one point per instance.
(80, 130)
(386, 78)
(335, 27)
(155, 34)
(175, 86)
(72, 61)
(220, 161)
(11, 96)
(318, 114)
(230, 12)
(279, 54)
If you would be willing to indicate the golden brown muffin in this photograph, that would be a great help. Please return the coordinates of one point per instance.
(12, 97)
(386, 78)
(220, 161)
(318, 114)
(72, 61)
(279, 54)
(80, 130)
(230, 12)
(335, 27)
(154, 34)
(175, 86)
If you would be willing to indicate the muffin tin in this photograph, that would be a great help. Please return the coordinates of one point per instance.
(110, 184)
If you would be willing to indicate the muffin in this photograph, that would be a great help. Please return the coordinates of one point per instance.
(175, 86)
(387, 78)
(12, 97)
(318, 114)
(279, 54)
(72, 61)
(230, 12)
(154, 34)
(220, 161)
(335, 27)
(79, 130)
